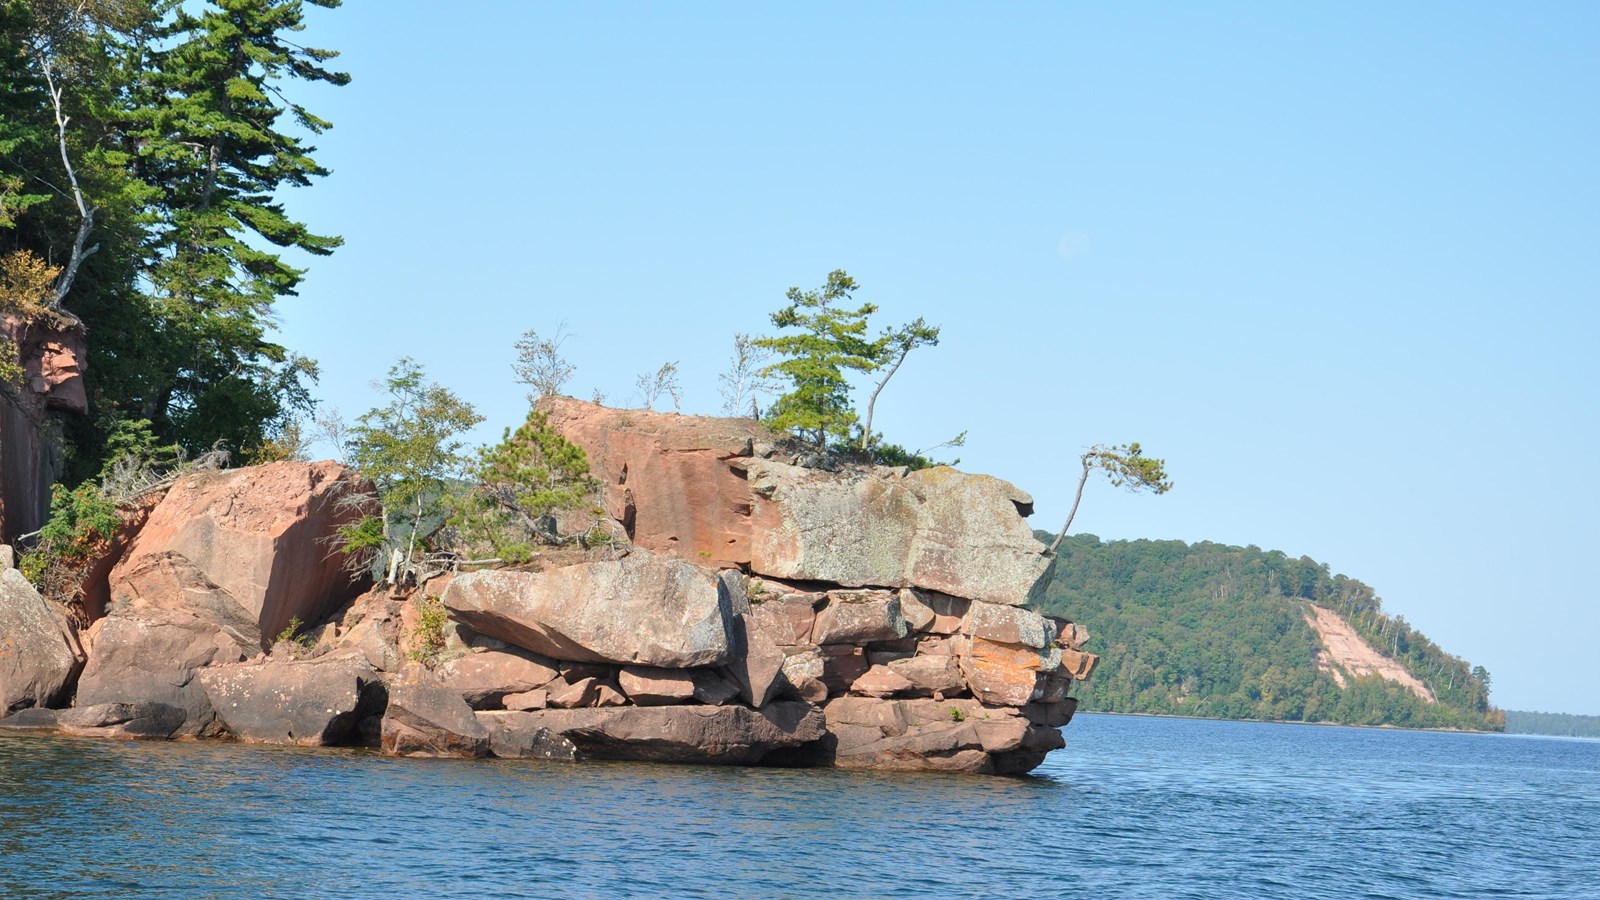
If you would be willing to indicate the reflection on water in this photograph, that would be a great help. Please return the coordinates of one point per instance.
(1134, 807)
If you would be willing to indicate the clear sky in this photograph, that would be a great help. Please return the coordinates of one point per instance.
(1335, 262)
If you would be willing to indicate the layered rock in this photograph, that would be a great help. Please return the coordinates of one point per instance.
(719, 492)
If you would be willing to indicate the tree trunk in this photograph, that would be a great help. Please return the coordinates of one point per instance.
(1077, 498)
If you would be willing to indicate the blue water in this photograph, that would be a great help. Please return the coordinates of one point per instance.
(1133, 807)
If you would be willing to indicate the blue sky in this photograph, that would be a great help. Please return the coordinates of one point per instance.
(1335, 262)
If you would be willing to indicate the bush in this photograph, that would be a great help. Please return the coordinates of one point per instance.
(428, 637)
(82, 522)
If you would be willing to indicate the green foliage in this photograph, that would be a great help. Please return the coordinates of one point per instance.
(82, 521)
(428, 636)
(956, 715)
(184, 138)
(293, 634)
(517, 484)
(412, 449)
(1558, 724)
(1127, 467)
(830, 341)
(1217, 631)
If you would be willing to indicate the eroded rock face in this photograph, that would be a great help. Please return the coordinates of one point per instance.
(643, 609)
(151, 655)
(666, 477)
(311, 702)
(936, 529)
(53, 357)
(39, 654)
(245, 548)
(710, 735)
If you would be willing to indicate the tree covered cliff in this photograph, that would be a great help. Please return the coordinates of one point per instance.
(1219, 631)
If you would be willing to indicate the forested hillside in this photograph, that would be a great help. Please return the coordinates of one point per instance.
(1558, 724)
(1219, 631)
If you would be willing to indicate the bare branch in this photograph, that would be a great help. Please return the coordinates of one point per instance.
(85, 213)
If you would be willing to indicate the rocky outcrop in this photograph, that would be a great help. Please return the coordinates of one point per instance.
(936, 529)
(782, 614)
(312, 702)
(246, 548)
(667, 478)
(642, 609)
(720, 492)
(39, 654)
(223, 563)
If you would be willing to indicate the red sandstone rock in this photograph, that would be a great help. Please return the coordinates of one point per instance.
(643, 609)
(247, 548)
(666, 477)
(1004, 674)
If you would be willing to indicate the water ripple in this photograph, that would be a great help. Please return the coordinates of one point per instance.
(1135, 808)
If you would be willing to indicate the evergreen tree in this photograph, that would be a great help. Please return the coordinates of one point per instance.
(829, 341)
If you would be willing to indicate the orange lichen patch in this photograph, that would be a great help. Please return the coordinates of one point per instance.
(1343, 651)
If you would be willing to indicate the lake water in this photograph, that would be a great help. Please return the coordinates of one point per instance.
(1134, 807)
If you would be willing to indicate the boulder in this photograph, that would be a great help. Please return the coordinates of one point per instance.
(859, 617)
(484, 679)
(881, 681)
(425, 718)
(931, 735)
(714, 735)
(531, 700)
(787, 619)
(40, 658)
(310, 702)
(656, 687)
(667, 477)
(151, 721)
(246, 548)
(804, 671)
(643, 609)
(936, 529)
(151, 655)
(1005, 674)
(1008, 625)
(930, 675)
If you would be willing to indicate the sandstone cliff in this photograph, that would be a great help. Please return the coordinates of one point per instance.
(764, 611)
(53, 357)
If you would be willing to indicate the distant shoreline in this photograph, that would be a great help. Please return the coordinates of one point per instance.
(1293, 722)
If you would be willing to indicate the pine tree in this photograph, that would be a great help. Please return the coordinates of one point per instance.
(830, 341)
